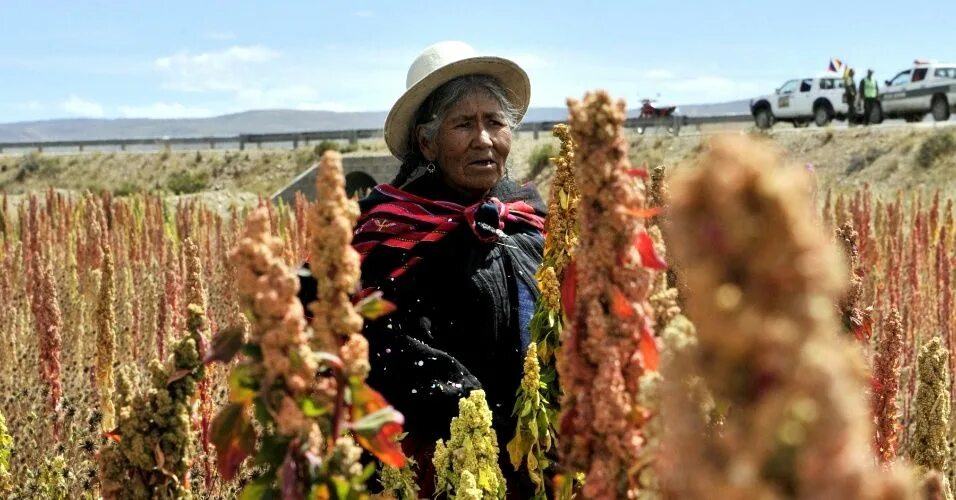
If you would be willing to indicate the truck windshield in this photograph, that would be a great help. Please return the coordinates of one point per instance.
(900, 79)
(789, 87)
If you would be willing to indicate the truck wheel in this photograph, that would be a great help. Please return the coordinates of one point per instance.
(822, 115)
(940, 109)
(876, 114)
(763, 118)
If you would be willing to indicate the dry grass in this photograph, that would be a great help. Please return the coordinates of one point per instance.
(845, 159)
(256, 171)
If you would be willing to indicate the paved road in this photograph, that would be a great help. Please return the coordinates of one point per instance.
(787, 128)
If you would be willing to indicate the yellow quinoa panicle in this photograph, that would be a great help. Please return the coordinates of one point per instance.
(536, 401)
(155, 444)
(471, 450)
(6, 448)
(106, 340)
(195, 286)
(930, 447)
(561, 225)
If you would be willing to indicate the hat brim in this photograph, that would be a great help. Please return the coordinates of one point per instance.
(400, 118)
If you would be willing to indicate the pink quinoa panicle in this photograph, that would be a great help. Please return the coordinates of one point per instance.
(49, 325)
(608, 345)
(269, 289)
(764, 278)
(886, 387)
(336, 267)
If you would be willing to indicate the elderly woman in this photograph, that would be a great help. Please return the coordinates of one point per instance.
(455, 244)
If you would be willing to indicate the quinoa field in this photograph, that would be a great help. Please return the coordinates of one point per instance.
(722, 318)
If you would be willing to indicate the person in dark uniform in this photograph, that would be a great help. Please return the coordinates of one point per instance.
(849, 94)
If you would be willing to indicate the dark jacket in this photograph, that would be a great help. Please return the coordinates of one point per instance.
(460, 324)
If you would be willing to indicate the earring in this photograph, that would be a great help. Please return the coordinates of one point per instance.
(430, 168)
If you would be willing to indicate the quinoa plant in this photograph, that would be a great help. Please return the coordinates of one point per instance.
(856, 318)
(467, 465)
(763, 279)
(609, 343)
(152, 448)
(399, 482)
(305, 387)
(929, 446)
(106, 341)
(538, 394)
(886, 387)
(6, 448)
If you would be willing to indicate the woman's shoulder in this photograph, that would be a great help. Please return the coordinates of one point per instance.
(507, 190)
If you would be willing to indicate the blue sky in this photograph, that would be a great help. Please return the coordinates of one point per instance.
(203, 58)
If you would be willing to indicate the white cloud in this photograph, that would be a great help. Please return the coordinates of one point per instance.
(258, 77)
(82, 107)
(165, 110)
(283, 96)
(658, 74)
(223, 70)
(364, 13)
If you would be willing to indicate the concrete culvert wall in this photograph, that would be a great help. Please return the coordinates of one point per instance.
(362, 173)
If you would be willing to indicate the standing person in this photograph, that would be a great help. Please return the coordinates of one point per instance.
(849, 93)
(454, 244)
(870, 92)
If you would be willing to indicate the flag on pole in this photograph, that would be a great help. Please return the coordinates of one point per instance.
(836, 65)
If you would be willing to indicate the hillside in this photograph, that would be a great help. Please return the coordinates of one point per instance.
(887, 158)
(260, 122)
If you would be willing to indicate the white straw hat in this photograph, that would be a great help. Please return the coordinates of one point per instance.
(439, 64)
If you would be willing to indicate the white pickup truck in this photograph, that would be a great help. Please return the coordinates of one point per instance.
(927, 87)
(819, 99)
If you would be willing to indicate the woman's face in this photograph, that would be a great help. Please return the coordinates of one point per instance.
(472, 144)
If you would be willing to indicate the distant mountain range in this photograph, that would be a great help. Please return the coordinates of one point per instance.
(258, 122)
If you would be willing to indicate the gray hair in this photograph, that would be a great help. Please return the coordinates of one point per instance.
(436, 107)
(433, 111)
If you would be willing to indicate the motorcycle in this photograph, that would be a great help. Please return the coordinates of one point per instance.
(651, 111)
